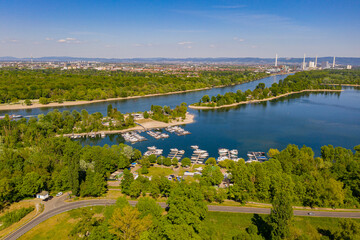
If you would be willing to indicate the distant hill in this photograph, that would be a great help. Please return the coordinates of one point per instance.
(339, 60)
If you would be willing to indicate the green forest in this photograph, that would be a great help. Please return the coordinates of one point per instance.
(31, 159)
(306, 80)
(55, 85)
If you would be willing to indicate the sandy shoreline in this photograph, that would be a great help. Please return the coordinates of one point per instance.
(264, 100)
(36, 104)
(147, 123)
(348, 85)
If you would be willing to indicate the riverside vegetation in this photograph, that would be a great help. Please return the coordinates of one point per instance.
(301, 81)
(55, 85)
(56, 122)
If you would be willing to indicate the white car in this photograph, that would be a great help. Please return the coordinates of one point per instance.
(59, 194)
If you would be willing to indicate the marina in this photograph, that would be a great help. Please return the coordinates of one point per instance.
(254, 127)
(152, 150)
(157, 134)
(256, 157)
(175, 153)
(177, 130)
(225, 154)
(133, 137)
(199, 155)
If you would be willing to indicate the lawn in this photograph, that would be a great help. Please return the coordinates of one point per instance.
(159, 171)
(226, 225)
(59, 226)
(221, 225)
(15, 206)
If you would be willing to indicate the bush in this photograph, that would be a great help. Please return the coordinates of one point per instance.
(14, 216)
(185, 162)
(43, 100)
(167, 162)
(27, 102)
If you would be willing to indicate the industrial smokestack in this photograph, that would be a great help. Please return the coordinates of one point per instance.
(304, 64)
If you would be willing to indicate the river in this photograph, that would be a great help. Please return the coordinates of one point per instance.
(311, 119)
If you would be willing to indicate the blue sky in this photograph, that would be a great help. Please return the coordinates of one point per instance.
(197, 28)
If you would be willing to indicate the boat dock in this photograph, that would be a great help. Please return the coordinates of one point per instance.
(198, 155)
(228, 154)
(256, 157)
(157, 134)
(175, 153)
(153, 151)
(177, 130)
(133, 137)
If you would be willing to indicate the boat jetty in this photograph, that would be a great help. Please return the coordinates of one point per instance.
(90, 134)
(177, 130)
(198, 155)
(133, 137)
(153, 151)
(256, 157)
(228, 154)
(175, 153)
(157, 134)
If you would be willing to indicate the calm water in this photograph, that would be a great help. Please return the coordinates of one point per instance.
(307, 119)
(144, 104)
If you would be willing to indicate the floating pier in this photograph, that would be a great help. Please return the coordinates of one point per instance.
(153, 151)
(133, 137)
(199, 156)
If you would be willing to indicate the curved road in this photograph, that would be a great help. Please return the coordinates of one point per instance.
(63, 207)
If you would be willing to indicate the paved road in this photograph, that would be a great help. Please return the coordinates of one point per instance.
(60, 207)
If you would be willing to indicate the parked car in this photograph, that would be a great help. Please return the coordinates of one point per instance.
(59, 194)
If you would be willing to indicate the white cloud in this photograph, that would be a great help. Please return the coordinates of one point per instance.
(184, 43)
(212, 46)
(49, 39)
(238, 39)
(69, 40)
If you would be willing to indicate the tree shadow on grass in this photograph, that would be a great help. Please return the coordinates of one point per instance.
(327, 233)
(264, 228)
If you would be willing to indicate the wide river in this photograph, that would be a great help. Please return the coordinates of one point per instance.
(311, 119)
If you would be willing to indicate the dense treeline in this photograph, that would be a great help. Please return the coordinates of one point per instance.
(186, 217)
(70, 85)
(332, 180)
(31, 160)
(307, 80)
(56, 122)
(166, 114)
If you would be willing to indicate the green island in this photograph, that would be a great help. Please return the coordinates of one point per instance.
(67, 123)
(32, 160)
(306, 81)
(55, 85)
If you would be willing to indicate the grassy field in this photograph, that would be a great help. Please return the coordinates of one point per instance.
(226, 225)
(221, 225)
(59, 226)
(15, 206)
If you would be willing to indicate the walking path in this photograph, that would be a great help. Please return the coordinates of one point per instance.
(58, 205)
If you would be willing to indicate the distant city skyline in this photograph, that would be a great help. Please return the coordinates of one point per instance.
(179, 29)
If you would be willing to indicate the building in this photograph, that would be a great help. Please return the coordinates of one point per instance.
(311, 64)
(325, 65)
(348, 67)
(43, 195)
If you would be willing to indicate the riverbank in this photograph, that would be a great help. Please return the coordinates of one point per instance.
(263, 100)
(347, 85)
(35, 103)
(145, 124)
